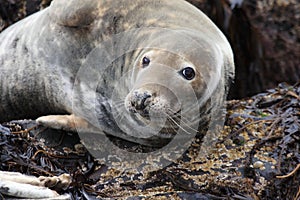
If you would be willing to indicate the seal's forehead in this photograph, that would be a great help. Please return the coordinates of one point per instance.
(195, 52)
(180, 49)
(191, 45)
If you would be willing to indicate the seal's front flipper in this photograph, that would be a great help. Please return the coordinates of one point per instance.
(64, 122)
(74, 13)
(28, 187)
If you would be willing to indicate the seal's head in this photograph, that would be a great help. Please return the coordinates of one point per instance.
(161, 76)
(171, 86)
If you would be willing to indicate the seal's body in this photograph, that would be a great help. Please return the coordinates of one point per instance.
(162, 51)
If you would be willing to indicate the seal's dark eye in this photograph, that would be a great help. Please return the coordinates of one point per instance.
(188, 73)
(146, 62)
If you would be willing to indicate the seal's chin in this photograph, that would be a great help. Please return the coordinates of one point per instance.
(152, 116)
(141, 113)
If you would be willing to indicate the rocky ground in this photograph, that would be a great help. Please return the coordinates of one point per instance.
(256, 156)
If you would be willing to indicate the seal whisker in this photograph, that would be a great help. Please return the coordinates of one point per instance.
(173, 129)
(118, 115)
(118, 103)
(117, 106)
(183, 120)
(178, 125)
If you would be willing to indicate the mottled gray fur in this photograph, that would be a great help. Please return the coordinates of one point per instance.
(40, 56)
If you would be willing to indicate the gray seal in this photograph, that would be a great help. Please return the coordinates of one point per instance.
(118, 66)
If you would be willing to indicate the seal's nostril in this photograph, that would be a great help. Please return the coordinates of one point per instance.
(139, 100)
(143, 102)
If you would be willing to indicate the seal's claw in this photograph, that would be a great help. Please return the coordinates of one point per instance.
(63, 181)
(63, 122)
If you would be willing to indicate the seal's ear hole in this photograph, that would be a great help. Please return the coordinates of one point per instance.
(146, 62)
(188, 73)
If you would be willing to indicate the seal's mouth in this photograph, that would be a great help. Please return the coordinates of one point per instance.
(147, 116)
(140, 113)
(151, 105)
